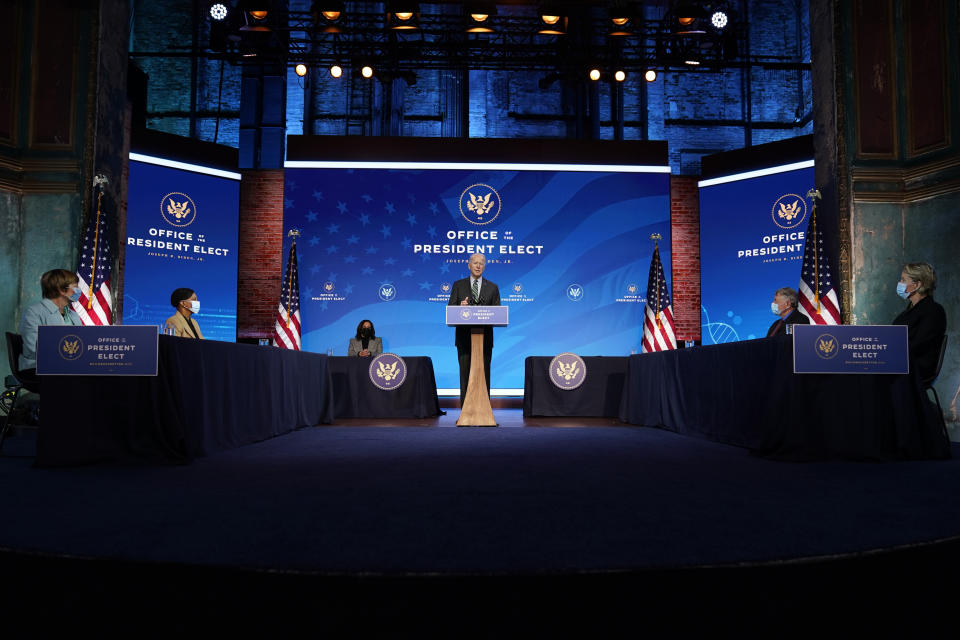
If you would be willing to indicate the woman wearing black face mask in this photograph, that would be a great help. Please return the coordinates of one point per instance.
(366, 344)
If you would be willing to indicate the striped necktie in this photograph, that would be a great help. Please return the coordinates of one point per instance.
(476, 291)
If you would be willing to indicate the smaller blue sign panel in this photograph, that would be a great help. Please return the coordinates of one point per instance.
(129, 350)
(850, 349)
(477, 315)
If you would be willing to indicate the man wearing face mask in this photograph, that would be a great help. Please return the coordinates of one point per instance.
(784, 305)
(185, 302)
(925, 319)
(60, 287)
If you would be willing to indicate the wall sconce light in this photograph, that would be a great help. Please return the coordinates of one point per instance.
(403, 16)
(327, 15)
(336, 71)
(300, 69)
(650, 75)
(478, 16)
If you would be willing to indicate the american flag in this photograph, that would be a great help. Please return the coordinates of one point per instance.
(817, 297)
(658, 329)
(96, 260)
(286, 331)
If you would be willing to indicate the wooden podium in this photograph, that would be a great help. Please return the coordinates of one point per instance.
(476, 410)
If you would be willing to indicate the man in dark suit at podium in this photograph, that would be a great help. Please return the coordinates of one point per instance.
(479, 291)
(785, 305)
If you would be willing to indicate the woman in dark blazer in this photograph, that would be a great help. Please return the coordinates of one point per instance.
(366, 344)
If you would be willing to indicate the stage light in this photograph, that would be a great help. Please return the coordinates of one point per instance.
(332, 16)
(550, 19)
(719, 19)
(594, 74)
(620, 21)
(650, 75)
(480, 17)
(620, 75)
(693, 62)
(336, 71)
(218, 11)
(300, 69)
(258, 14)
(366, 71)
(325, 15)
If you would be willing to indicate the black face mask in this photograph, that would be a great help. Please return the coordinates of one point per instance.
(366, 332)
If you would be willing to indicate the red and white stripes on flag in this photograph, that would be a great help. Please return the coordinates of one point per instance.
(658, 330)
(817, 297)
(286, 331)
(96, 262)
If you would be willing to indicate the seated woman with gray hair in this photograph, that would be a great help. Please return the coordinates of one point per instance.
(925, 319)
(784, 305)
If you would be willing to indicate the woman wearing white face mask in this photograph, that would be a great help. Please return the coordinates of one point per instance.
(59, 287)
(925, 319)
(185, 302)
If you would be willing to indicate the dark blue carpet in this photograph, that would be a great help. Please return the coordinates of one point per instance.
(434, 499)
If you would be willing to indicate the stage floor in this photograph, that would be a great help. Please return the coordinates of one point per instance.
(423, 496)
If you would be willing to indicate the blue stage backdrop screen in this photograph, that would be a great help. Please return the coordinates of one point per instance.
(182, 232)
(569, 250)
(752, 233)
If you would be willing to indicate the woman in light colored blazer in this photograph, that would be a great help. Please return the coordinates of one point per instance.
(185, 302)
(366, 344)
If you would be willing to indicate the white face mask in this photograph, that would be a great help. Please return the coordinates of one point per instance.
(774, 308)
(194, 306)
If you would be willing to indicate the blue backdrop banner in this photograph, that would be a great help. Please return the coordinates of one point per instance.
(569, 251)
(752, 232)
(181, 232)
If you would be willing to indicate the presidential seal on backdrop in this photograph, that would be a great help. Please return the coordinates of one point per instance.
(480, 204)
(70, 347)
(826, 346)
(387, 291)
(789, 211)
(178, 209)
(388, 371)
(575, 292)
(567, 371)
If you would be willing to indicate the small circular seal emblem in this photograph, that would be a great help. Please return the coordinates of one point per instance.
(388, 371)
(567, 371)
(387, 291)
(575, 292)
(826, 346)
(70, 347)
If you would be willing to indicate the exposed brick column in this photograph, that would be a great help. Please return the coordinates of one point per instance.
(260, 254)
(685, 256)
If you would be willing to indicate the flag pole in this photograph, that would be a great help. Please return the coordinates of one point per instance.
(656, 237)
(98, 181)
(814, 194)
(293, 233)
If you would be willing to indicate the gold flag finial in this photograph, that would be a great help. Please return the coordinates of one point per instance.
(293, 233)
(814, 194)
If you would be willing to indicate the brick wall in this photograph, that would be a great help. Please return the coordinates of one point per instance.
(685, 257)
(260, 253)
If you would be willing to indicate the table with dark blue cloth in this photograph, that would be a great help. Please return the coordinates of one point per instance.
(355, 396)
(746, 394)
(207, 396)
(598, 396)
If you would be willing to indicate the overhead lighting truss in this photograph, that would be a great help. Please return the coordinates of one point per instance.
(443, 42)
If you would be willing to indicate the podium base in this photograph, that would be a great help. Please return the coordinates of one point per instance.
(476, 411)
